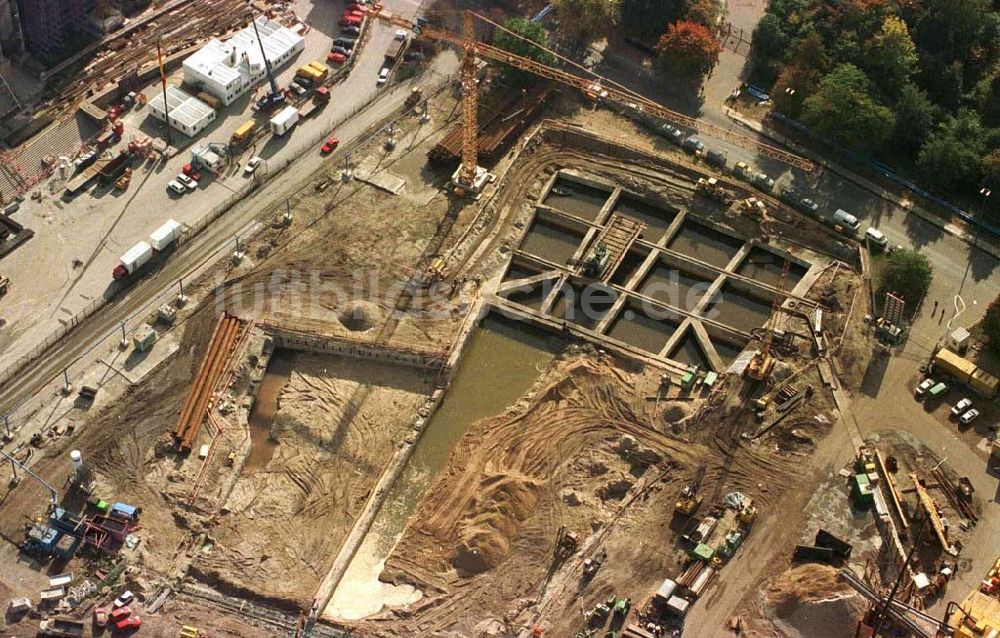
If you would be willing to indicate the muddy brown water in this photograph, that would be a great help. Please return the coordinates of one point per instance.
(265, 406)
(657, 219)
(503, 358)
(628, 267)
(689, 352)
(637, 329)
(577, 199)
(674, 287)
(705, 244)
(766, 267)
(584, 305)
(551, 242)
(727, 351)
(739, 310)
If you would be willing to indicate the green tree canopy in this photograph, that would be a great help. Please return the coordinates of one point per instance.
(908, 273)
(648, 19)
(991, 325)
(532, 34)
(586, 19)
(687, 49)
(914, 117)
(950, 156)
(891, 56)
(844, 110)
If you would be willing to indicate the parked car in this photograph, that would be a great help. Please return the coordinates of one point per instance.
(297, 88)
(126, 597)
(960, 407)
(101, 616)
(673, 134)
(176, 187)
(383, 76)
(349, 21)
(400, 34)
(341, 50)
(304, 82)
(128, 624)
(846, 220)
(347, 43)
(338, 58)
(189, 183)
(252, 165)
(763, 182)
(351, 30)
(692, 145)
(807, 206)
(121, 612)
(716, 159)
(741, 170)
(924, 386)
(329, 145)
(876, 238)
(969, 416)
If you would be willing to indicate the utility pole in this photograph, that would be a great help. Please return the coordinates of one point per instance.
(163, 81)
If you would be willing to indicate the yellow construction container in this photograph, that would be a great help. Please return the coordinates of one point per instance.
(954, 365)
(187, 631)
(243, 132)
(309, 72)
(984, 383)
(323, 69)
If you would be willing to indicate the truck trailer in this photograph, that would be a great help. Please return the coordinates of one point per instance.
(320, 99)
(283, 122)
(61, 628)
(395, 51)
(137, 256)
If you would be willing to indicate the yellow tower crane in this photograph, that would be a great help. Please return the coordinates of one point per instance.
(472, 177)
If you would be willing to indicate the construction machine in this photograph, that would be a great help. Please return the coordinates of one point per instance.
(4, 284)
(762, 363)
(470, 177)
(748, 513)
(592, 564)
(597, 260)
(711, 189)
(567, 543)
(689, 500)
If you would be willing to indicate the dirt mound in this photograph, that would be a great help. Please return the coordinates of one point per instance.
(676, 412)
(502, 502)
(804, 584)
(359, 316)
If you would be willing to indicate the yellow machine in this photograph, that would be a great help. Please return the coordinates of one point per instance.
(689, 500)
(762, 364)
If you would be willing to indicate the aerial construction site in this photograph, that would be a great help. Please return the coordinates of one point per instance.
(523, 364)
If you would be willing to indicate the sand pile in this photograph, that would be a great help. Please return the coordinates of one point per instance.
(809, 600)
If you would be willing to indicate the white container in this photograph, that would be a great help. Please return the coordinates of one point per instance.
(665, 591)
(133, 259)
(284, 120)
(677, 605)
(165, 235)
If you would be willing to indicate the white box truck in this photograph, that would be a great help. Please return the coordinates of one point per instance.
(284, 120)
(132, 260)
(165, 235)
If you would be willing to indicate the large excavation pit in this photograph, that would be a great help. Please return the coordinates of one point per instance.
(674, 287)
(705, 244)
(766, 267)
(551, 241)
(576, 198)
(739, 310)
(638, 329)
(656, 218)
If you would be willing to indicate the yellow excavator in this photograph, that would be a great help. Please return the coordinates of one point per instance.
(689, 500)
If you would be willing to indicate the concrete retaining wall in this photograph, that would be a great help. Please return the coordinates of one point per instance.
(329, 344)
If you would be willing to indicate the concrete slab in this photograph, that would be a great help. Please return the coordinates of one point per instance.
(133, 365)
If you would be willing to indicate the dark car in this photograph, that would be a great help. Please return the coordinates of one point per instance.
(673, 133)
(347, 43)
(304, 82)
(351, 30)
(413, 56)
(340, 50)
(716, 159)
(807, 206)
(693, 145)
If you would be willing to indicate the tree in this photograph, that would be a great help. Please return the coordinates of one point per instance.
(908, 273)
(687, 49)
(701, 11)
(951, 28)
(843, 110)
(949, 159)
(891, 56)
(648, 19)
(531, 32)
(584, 20)
(770, 42)
(991, 325)
(914, 117)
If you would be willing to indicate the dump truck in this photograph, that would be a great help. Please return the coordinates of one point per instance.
(137, 256)
(61, 628)
(395, 51)
(320, 99)
(114, 169)
(966, 372)
(283, 122)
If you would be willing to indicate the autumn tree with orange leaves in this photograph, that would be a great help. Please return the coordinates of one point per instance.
(688, 49)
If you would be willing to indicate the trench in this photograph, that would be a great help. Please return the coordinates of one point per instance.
(577, 199)
(636, 328)
(502, 360)
(552, 242)
(656, 218)
(706, 244)
(265, 407)
(674, 287)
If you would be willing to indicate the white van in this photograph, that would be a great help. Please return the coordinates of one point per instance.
(847, 220)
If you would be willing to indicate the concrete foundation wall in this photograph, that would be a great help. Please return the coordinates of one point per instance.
(329, 344)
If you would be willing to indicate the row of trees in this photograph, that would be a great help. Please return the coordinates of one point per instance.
(916, 85)
(680, 29)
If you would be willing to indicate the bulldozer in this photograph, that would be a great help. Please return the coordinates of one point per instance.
(567, 543)
(748, 513)
(689, 500)
(711, 189)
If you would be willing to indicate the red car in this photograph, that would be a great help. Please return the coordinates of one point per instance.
(333, 56)
(355, 8)
(121, 612)
(101, 617)
(349, 21)
(330, 144)
(128, 624)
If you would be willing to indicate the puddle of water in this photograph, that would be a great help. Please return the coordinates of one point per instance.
(689, 352)
(589, 304)
(577, 199)
(548, 241)
(657, 219)
(531, 297)
(765, 267)
(519, 272)
(628, 267)
(739, 310)
(705, 244)
(502, 360)
(635, 328)
(727, 351)
(674, 287)
(265, 406)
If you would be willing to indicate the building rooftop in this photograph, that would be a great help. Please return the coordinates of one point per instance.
(226, 61)
(183, 107)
